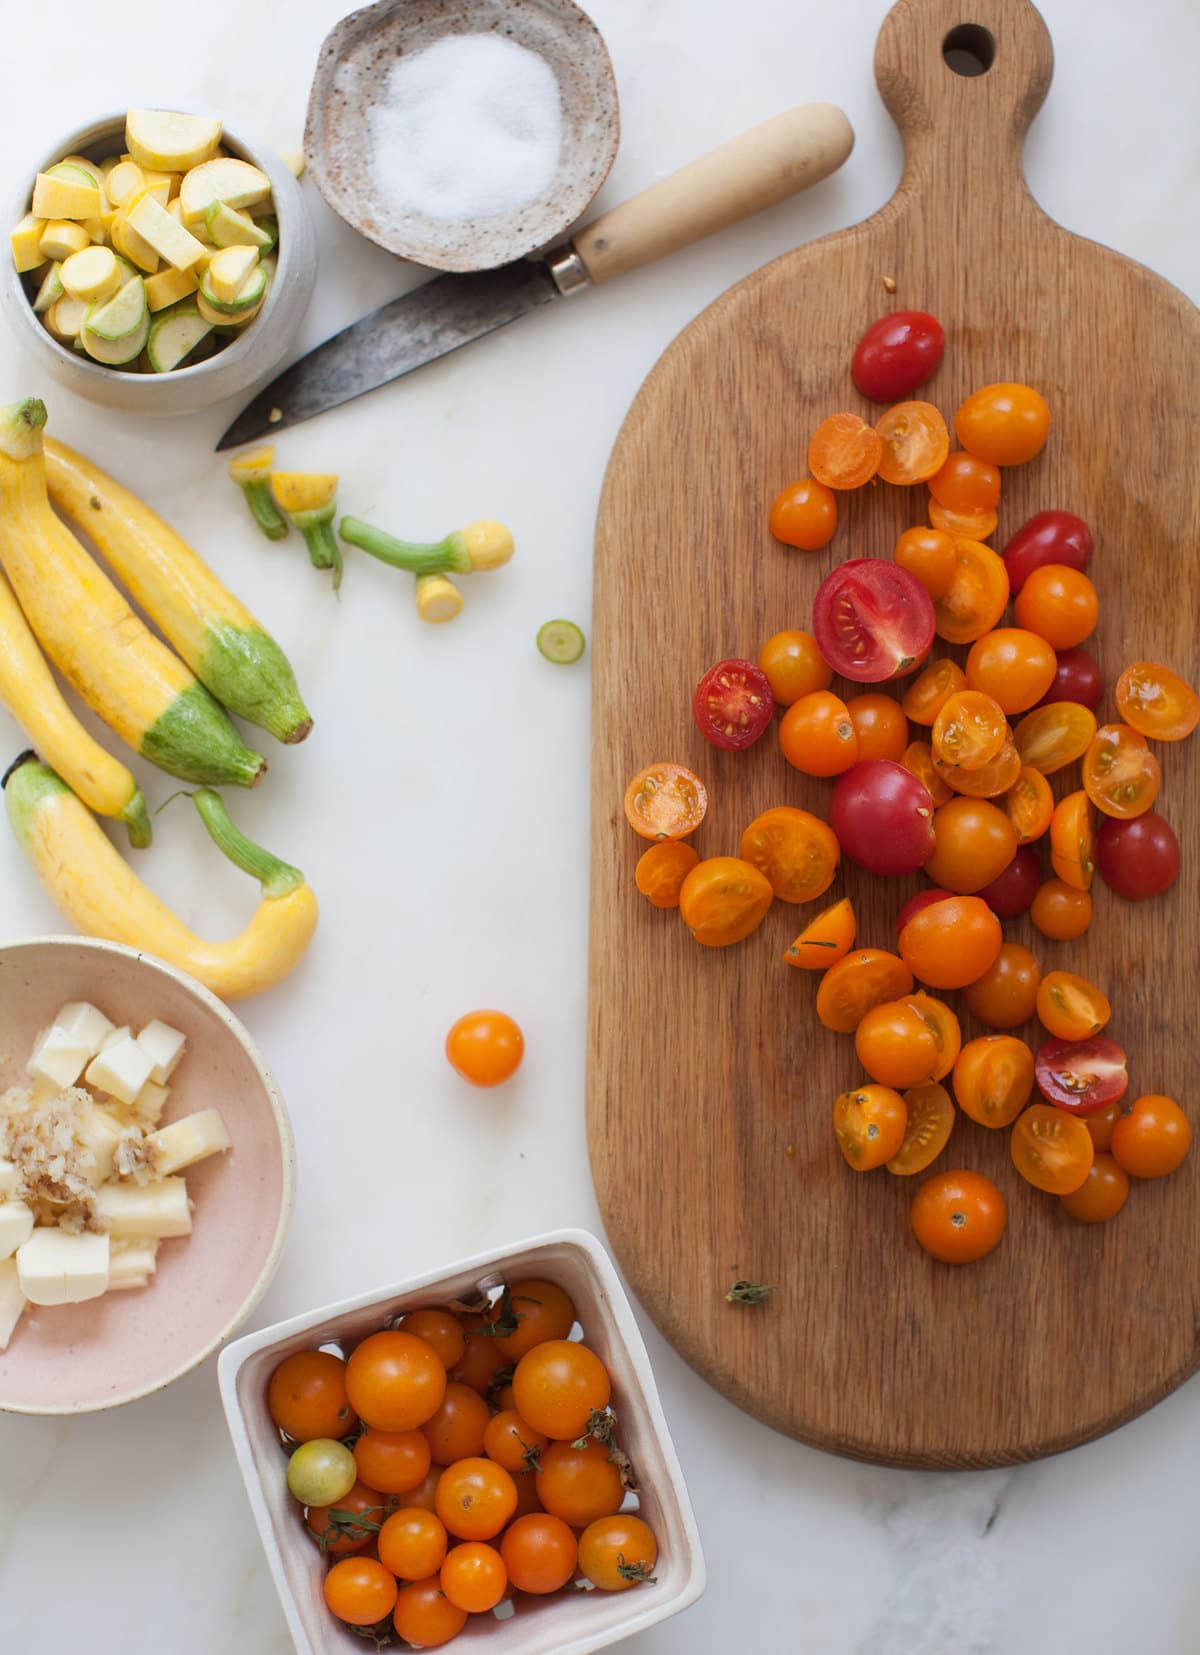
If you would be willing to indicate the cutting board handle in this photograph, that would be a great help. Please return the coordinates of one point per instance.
(946, 115)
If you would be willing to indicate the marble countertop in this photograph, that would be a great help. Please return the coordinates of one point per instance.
(441, 812)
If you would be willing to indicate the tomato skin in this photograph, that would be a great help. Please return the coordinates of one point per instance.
(475, 1498)
(958, 1217)
(473, 1577)
(929, 555)
(557, 1387)
(974, 843)
(1016, 668)
(869, 1124)
(732, 704)
(817, 735)
(794, 666)
(804, 515)
(412, 1543)
(392, 1461)
(1014, 888)
(966, 483)
(485, 1047)
(395, 1381)
(1082, 1076)
(616, 1544)
(865, 978)
(661, 871)
(1004, 424)
(873, 620)
(1051, 1149)
(1139, 857)
(424, 1615)
(1121, 776)
(844, 452)
(1006, 995)
(540, 1553)
(665, 801)
(1071, 1008)
(895, 1045)
(1101, 1195)
(929, 1123)
(1076, 678)
(455, 1431)
(993, 1078)
(723, 900)
(579, 1485)
(896, 354)
(915, 442)
(826, 940)
(923, 899)
(1048, 537)
(1157, 702)
(1061, 911)
(306, 1396)
(360, 1591)
(796, 851)
(1153, 1138)
(950, 943)
(883, 817)
(1060, 604)
(880, 725)
(975, 599)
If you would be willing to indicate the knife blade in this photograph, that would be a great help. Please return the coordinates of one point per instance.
(757, 169)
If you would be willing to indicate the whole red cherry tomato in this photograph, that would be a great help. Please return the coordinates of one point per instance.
(873, 620)
(733, 704)
(1048, 537)
(1077, 678)
(1137, 857)
(896, 354)
(1012, 892)
(883, 817)
(1082, 1076)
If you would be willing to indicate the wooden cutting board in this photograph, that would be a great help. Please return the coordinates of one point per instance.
(711, 1083)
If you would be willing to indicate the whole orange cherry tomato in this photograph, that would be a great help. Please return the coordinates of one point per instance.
(966, 483)
(412, 1543)
(485, 1047)
(1005, 424)
(992, 781)
(1073, 842)
(540, 1553)
(915, 442)
(455, 1432)
(963, 525)
(360, 1591)
(439, 1327)
(395, 1381)
(969, 730)
(723, 899)
(930, 1121)
(974, 601)
(662, 869)
(929, 555)
(895, 1045)
(944, 1026)
(1055, 735)
(1156, 702)
(1101, 1195)
(352, 1524)
(1100, 1125)
(844, 452)
(1153, 1138)
(1061, 911)
(475, 1498)
(424, 1615)
(804, 515)
(512, 1442)
(952, 942)
(1121, 776)
(828, 939)
(880, 725)
(869, 1125)
(1059, 604)
(993, 1079)
(865, 978)
(1006, 995)
(1071, 1007)
(306, 1396)
(958, 1217)
(931, 689)
(665, 801)
(817, 735)
(618, 1552)
(529, 1312)
(558, 1386)
(1029, 804)
(1014, 667)
(473, 1577)
(579, 1484)
(796, 851)
(794, 666)
(392, 1461)
(917, 759)
(973, 842)
(1052, 1150)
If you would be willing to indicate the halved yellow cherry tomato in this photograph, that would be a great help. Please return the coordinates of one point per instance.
(974, 601)
(723, 899)
(931, 689)
(930, 1112)
(963, 525)
(995, 778)
(917, 759)
(1070, 1007)
(915, 442)
(662, 869)
(665, 801)
(1073, 841)
(1030, 804)
(969, 730)
(946, 1031)
(1055, 735)
(797, 852)
(1121, 776)
(869, 1123)
(1156, 701)
(993, 1079)
(865, 978)
(828, 939)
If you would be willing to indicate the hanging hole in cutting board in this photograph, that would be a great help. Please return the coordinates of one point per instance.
(969, 49)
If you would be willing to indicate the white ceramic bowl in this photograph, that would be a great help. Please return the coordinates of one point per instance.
(76, 1359)
(238, 365)
(565, 1624)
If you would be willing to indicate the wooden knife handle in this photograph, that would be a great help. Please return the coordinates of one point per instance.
(755, 170)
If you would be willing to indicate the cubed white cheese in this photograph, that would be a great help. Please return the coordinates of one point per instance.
(101, 1132)
(164, 1046)
(132, 1263)
(90, 1026)
(9, 1179)
(150, 1102)
(138, 1211)
(113, 1035)
(16, 1226)
(56, 1268)
(121, 1069)
(59, 1059)
(12, 1300)
(189, 1140)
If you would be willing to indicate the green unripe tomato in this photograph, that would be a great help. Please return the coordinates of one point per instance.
(321, 1472)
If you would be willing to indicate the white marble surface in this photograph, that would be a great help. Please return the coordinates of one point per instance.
(441, 811)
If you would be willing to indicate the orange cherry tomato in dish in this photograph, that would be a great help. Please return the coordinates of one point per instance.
(796, 851)
(1051, 1150)
(794, 666)
(974, 601)
(993, 1079)
(817, 735)
(455, 1432)
(931, 689)
(422, 1497)
(966, 483)
(991, 782)
(951, 942)
(1153, 1138)
(360, 1591)
(915, 442)
(618, 1552)
(895, 1045)
(1073, 841)
(475, 1498)
(929, 1123)
(944, 1026)
(439, 1327)
(306, 1397)
(974, 842)
(579, 1484)
(395, 1381)
(557, 1387)
(969, 730)
(869, 1125)
(958, 1217)
(865, 978)
(1100, 1124)
(473, 1577)
(485, 1047)
(528, 1313)
(1121, 776)
(723, 899)
(412, 1543)
(665, 801)
(512, 1442)
(351, 1525)
(880, 725)
(1082, 1076)
(392, 1461)
(1071, 1007)
(424, 1615)
(844, 452)
(1005, 424)
(1156, 702)
(1059, 604)
(962, 525)
(1029, 804)
(929, 555)
(804, 515)
(1055, 735)
(1101, 1195)
(1006, 995)
(540, 1553)
(1061, 911)
(480, 1361)
(1014, 667)
(662, 869)
(917, 759)
(828, 939)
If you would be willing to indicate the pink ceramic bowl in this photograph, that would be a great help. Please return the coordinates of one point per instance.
(76, 1359)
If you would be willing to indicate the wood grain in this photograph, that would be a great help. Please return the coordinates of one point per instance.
(711, 1083)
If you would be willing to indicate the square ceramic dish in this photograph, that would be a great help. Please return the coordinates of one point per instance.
(566, 1624)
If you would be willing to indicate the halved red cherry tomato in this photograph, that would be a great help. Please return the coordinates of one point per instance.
(881, 726)
(1006, 995)
(1014, 667)
(804, 515)
(931, 689)
(895, 1045)
(723, 899)
(969, 730)
(733, 704)
(915, 442)
(873, 620)
(1048, 537)
(869, 1124)
(966, 483)
(1076, 678)
(928, 554)
(918, 758)
(865, 978)
(1071, 1008)
(1060, 911)
(1073, 841)
(1121, 776)
(991, 781)
(665, 801)
(1014, 888)
(1030, 805)
(1157, 702)
(1054, 735)
(1137, 858)
(1005, 424)
(930, 1121)
(1082, 1076)
(844, 452)
(826, 940)
(950, 943)
(662, 869)
(962, 525)
(883, 817)
(1059, 603)
(817, 735)
(1051, 1150)
(993, 1079)
(896, 354)
(795, 850)
(974, 601)
(794, 666)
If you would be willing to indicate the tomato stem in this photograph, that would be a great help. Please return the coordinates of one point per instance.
(749, 1292)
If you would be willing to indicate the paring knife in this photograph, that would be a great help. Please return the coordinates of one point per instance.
(755, 170)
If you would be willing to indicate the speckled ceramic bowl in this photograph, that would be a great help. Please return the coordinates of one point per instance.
(354, 61)
(76, 1359)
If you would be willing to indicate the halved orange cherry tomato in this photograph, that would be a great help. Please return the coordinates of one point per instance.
(880, 725)
(993, 1079)
(817, 735)
(969, 730)
(804, 515)
(1055, 735)
(828, 939)
(949, 943)
(895, 1045)
(973, 842)
(974, 601)
(1101, 1195)
(958, 1217)
(966, 483)
(1052, 1150)
(931, 689)
(1071, 1007)
(1006, 995)
(944, 1024)
(962, 525)
(1030, 804)
(1005, 424)
(1059, 604)
(917, 759)
(993, 780)
(1153, 1138)
(1014, 667)
(1121, 776)
(928, 554)
(915, 442)
(662, 869)
(930, 1112)
(1156, 701)
(665, 801)
(865, 978)
(869, 1124)
(794, 666)
(723, 899)
(1073, 843)
(1061, 911)
(796, 851)
(844, 452)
